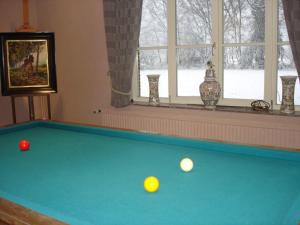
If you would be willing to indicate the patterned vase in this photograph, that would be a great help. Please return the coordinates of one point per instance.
(210, 89)
(153, 89)
(288, 90)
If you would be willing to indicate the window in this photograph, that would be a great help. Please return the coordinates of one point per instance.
(153, 54)
(193, 44)
(246, 40)
(243, 49)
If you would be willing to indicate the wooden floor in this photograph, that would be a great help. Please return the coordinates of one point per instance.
(13, 214)
(2, 223)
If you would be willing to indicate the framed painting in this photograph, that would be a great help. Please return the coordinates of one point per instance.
(27, 63)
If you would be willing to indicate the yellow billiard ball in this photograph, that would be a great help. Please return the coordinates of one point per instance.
(151, 184)
(186, 164)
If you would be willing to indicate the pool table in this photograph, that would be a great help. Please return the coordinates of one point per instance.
(84, 175)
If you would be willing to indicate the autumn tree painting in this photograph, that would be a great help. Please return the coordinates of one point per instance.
(28, 64)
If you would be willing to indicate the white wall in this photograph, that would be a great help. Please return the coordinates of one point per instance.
(80, 57)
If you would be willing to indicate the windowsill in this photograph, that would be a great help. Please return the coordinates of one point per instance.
(219, 108)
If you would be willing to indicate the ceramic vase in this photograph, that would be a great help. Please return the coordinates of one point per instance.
(288, 90)
(210, 89)
(153, 89)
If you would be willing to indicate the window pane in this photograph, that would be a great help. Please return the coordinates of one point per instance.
(244, 21)
(191, 65)
(244, 72)
(154, 23)
(282, 32)
(153, 62)
(286, 67)
(193, 21)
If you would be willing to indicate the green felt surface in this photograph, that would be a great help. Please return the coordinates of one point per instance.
(88, 178)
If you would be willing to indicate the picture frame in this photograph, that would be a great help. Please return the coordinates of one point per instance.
(27, 63)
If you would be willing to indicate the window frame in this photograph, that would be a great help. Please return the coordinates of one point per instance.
(271, 62)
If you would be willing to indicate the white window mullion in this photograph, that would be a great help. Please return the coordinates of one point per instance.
(135, 79)
(217, 24)
(254, 44)
(153, 48)
(172, 50)
(193, 46)
(270, 50)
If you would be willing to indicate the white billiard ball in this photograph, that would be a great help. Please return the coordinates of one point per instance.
(186, 164)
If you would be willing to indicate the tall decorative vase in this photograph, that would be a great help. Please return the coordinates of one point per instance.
(153, 89)
(288, 90)
(210, 89)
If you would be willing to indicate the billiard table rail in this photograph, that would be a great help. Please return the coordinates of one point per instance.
(263, 151)
(14, 214)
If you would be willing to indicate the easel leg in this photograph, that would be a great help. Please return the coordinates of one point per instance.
(31, 108)
(13, 109)
(49, 107)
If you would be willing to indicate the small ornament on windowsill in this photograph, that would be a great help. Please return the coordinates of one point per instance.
(210, 89)
(153, 80)
(260, 106)
(288, 92)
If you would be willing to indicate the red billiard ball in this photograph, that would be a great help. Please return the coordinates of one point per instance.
(24, 145)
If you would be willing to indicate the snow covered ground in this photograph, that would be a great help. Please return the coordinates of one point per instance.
(245, 84)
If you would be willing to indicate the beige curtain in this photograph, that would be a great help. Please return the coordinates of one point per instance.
(122, 26)
(292, 19)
